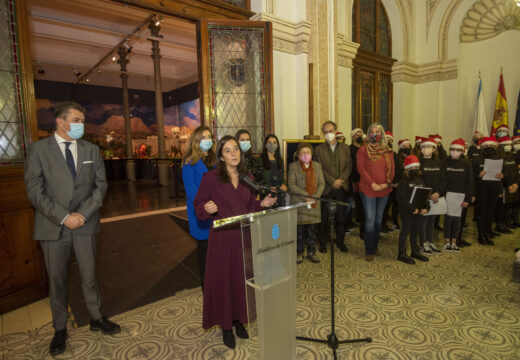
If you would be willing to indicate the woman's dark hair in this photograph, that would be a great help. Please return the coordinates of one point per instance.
(277, 154)
(221, 165)
(237, 136)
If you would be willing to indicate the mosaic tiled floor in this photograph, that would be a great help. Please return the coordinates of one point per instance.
(457, 306)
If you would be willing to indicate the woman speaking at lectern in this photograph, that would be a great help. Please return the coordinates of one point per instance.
(220, 196)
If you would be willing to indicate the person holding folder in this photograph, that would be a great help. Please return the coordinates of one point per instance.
(510, 183)
(411, 215)
(459, 180)
(433, 174)
(488, 188)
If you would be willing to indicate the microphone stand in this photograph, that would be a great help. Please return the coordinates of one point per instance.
(332, 340)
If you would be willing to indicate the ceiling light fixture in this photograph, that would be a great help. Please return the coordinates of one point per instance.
(159, 19)
(76, 72)
(87, 80)
(114, 58)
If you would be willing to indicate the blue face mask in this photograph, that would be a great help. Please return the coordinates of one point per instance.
(76, 130)
(245, 145)
(206, 144)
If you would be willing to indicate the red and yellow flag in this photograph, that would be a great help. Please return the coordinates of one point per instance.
(500, 116)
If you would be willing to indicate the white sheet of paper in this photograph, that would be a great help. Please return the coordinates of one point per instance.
(453, 203)
(492, 167)
(438, 208)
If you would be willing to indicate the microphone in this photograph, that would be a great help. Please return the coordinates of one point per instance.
(246, 180)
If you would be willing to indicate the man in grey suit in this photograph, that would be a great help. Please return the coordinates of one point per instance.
(66, 183)
(336, 164)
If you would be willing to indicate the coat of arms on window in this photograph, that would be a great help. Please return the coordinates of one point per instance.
(236, 72)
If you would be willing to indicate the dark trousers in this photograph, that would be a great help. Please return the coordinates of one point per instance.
(503, 212)
(487, 198)
(410, 226)
(452, 227)
(428, 228)
(57, 255)
(463, 220)
(202, 251)
(391, 212)
(306, 234)
(360, 214)
(340, 195)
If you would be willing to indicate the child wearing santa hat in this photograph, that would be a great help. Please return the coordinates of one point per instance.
(459, 179)
(434, 176)
(487, 191)
(411, 218)
(474, 148)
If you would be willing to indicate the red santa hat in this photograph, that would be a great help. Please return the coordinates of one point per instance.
(411, 161)
(388, 134)
(458, 144)
(503, 128)
(505, 140)
(488, 140)
(515, 138)
(419, 139)
(403, 142)
(429, 141)
(436, 137)
(339, 134)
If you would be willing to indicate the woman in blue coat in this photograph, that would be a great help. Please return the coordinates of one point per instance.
(200, 157)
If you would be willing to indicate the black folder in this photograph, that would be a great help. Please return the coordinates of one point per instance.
(420, 197)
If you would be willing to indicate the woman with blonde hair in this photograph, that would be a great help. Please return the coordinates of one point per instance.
(375, 163)
(200, 157)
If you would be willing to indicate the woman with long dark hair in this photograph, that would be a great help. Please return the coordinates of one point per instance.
(220, 196)
(200, 157)
(253, 164)
(272, 167)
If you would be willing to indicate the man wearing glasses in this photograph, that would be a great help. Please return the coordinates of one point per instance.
(66, 183)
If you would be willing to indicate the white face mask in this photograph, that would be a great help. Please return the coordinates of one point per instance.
(516, 147)
(427, 151)
(501, 134)
(507, 148)
(330, 137)
(455, 154)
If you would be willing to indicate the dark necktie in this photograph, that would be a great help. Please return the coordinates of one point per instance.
(70, 160)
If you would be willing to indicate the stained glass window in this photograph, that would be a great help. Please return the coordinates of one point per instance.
(384, 100)
(237, 81)
(367, 102)
(12, 131)
(368, 24)
(372, 88)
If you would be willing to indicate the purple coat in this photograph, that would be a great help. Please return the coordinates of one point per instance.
(224, 283)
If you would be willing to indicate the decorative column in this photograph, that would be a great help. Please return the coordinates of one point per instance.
(130, 162)
(163, 165)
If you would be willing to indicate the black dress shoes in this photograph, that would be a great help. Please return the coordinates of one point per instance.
(229, 338)
(106, 326)
(323, 248)
(419, 256)
(240, 330)
(59, 342)
(406, 259)
(342, 247)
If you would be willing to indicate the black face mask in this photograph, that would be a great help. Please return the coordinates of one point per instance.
(414, 172)
(359, 140)
(406, 151)
(475, 141)
(390, 143)
(489, 151)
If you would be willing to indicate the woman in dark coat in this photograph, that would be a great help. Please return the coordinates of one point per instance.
(221, 195)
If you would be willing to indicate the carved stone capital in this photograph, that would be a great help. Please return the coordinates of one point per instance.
(288, 36)
(346, 51)
(404, 71)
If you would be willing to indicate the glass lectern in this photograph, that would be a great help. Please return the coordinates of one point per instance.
(269, 248)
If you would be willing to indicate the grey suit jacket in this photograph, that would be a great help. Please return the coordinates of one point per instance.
(54, 193)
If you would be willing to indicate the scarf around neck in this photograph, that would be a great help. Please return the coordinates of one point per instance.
(310, 180)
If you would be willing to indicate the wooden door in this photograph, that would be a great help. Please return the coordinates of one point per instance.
(235, 77)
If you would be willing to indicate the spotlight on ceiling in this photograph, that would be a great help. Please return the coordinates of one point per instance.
(76, 72)
(114, 58)
(99, 71)
(159, 19)
(87, 80)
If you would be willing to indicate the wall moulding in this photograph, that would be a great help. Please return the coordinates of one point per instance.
(346, 50)
(404, 71)
(288, 36)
